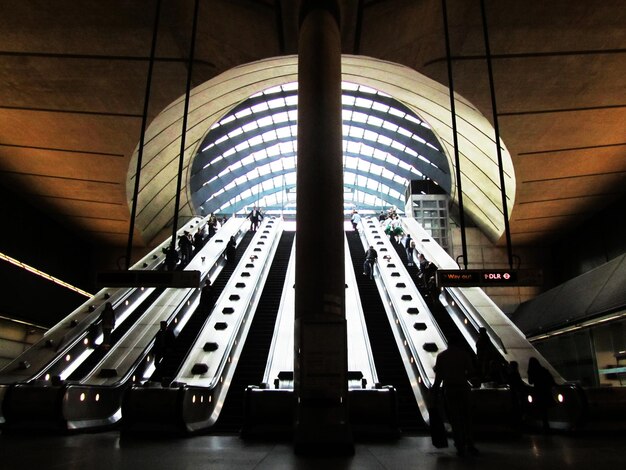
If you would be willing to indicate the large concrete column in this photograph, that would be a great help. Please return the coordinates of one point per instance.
(320, 368)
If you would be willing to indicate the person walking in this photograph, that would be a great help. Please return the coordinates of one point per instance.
(255, 217)
(453, 369)
(542, 381)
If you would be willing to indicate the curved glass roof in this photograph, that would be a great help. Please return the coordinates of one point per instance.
(249, 156)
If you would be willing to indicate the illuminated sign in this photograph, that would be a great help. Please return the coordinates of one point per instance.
(458, 277)
(488, 277)
(148, 279)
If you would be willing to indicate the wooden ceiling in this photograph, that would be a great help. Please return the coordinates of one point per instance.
(73, 78)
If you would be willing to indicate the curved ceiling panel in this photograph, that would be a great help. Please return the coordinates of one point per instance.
(215, 99)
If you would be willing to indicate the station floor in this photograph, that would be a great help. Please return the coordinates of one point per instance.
(108, 451)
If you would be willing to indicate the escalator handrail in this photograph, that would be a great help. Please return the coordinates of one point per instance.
(401, 326)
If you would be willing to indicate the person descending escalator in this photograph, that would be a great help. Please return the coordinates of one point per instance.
(255, 217)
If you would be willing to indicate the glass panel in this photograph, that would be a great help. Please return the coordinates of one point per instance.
(609, 341)
(363, 144)
(571, 356)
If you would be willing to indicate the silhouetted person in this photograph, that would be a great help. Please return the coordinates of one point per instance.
(108, 323)
(542, 381)
(186, 248)
(490, 362)
(212, 223)
(198, 240)
(163, 342)
(171, 258)
(255, 217)
(453, 369)
(207, 298)
(517, 388)
(427, 273)
(370, 258)
(355, 219)
(409, 246)
(231, 250)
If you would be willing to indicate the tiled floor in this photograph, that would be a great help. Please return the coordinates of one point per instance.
(108, 451)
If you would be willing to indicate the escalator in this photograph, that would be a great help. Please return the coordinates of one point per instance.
(122, 329)
(173, 360)
(98, 354)
(387, 358)
(256, 349)
(440, 315)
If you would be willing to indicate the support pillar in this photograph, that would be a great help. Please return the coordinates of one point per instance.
(320, 346)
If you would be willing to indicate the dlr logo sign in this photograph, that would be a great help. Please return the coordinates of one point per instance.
(497, 276)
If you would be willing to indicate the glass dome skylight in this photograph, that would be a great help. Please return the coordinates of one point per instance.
(249, 156)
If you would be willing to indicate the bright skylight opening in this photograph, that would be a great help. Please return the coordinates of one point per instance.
(257, 157)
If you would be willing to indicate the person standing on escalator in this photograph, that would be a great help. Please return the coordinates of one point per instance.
(231, 250)
(108, 323)
(212, 224)
(409, 246)
(163, 342)
(207, 298)
(355, 219)
(370, 259)
(186, 248)
(491, 365)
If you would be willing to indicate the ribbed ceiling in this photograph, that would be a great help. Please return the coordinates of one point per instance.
(249, 156)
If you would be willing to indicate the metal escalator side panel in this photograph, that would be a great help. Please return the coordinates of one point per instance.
(388, 355)
(124, 355)
(227, 330)
(73, 329)
(404, 305)
(478, 308)
(280, 357)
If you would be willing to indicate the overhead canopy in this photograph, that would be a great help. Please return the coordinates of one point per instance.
(239, 180)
